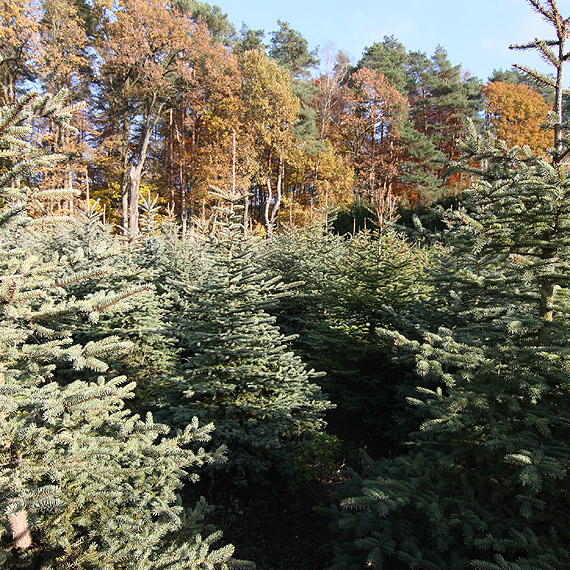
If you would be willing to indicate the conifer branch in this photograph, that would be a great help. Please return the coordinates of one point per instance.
(533, 44)
(77, 278)
(116, 299)
(546, 80)
(547, 54)
(549, 15)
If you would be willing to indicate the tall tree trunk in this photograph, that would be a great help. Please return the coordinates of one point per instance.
(549, 253)
(182, 170)
(135, 171)
(171, 135)
(559, 93)
(125, 177)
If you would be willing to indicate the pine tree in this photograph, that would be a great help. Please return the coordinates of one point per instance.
(238, 369)
(85, 483)
(486, 483)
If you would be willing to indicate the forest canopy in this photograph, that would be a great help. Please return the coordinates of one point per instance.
(178, 102)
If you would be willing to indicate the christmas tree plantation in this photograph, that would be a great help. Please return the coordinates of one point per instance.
(237, 370)
(85, 483)
(485, 484)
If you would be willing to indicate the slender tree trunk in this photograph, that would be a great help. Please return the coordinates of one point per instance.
(125, 177)
(18, 521)
(233, 161)
(559, 92)
(271, 209)
(87, 197)
(171, 135)
(135, 172)
(546, 284)
(182, 175)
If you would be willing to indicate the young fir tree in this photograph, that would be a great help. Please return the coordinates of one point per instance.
(238, 370)
(351, 287)
(486, 483)
(141, 319)
(84, 483)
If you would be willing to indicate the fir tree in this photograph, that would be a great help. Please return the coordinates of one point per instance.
(351, 287)
(238, 369)
(85, 484)
(486, 482)
(91, 247)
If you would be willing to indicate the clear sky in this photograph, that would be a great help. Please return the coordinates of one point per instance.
(475, 33)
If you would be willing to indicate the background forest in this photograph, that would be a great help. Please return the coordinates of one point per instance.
(178, 101)
(323, 309)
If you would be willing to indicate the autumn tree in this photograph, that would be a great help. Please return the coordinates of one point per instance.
(271, 111)
(517, 113)
(324, 176)
(331, 86)
(440, 96)
(201, 125)
(291, 50)
(63, 61)
(62, 55)
(141, 51)
(372, 120)
(19, 21)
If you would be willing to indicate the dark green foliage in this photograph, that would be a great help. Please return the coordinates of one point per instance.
(452, 99)
(319, 458)
(486, 484)
(420, 167)
(351, 288)
(430, 510)
(291, 50)
(354, 218)
(217, 21)
(249, 39)
(440, 100)
(306, 128)
(390, 58)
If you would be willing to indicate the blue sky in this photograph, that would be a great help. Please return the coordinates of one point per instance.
(476, 34)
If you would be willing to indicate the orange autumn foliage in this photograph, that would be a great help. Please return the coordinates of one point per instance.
(516, 113)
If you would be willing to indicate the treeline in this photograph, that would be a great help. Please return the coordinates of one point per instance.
(179, 102)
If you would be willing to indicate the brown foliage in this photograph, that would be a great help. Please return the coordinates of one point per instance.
(371, 122)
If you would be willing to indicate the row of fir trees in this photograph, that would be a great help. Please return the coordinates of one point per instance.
(214, 331)
(90, 480)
